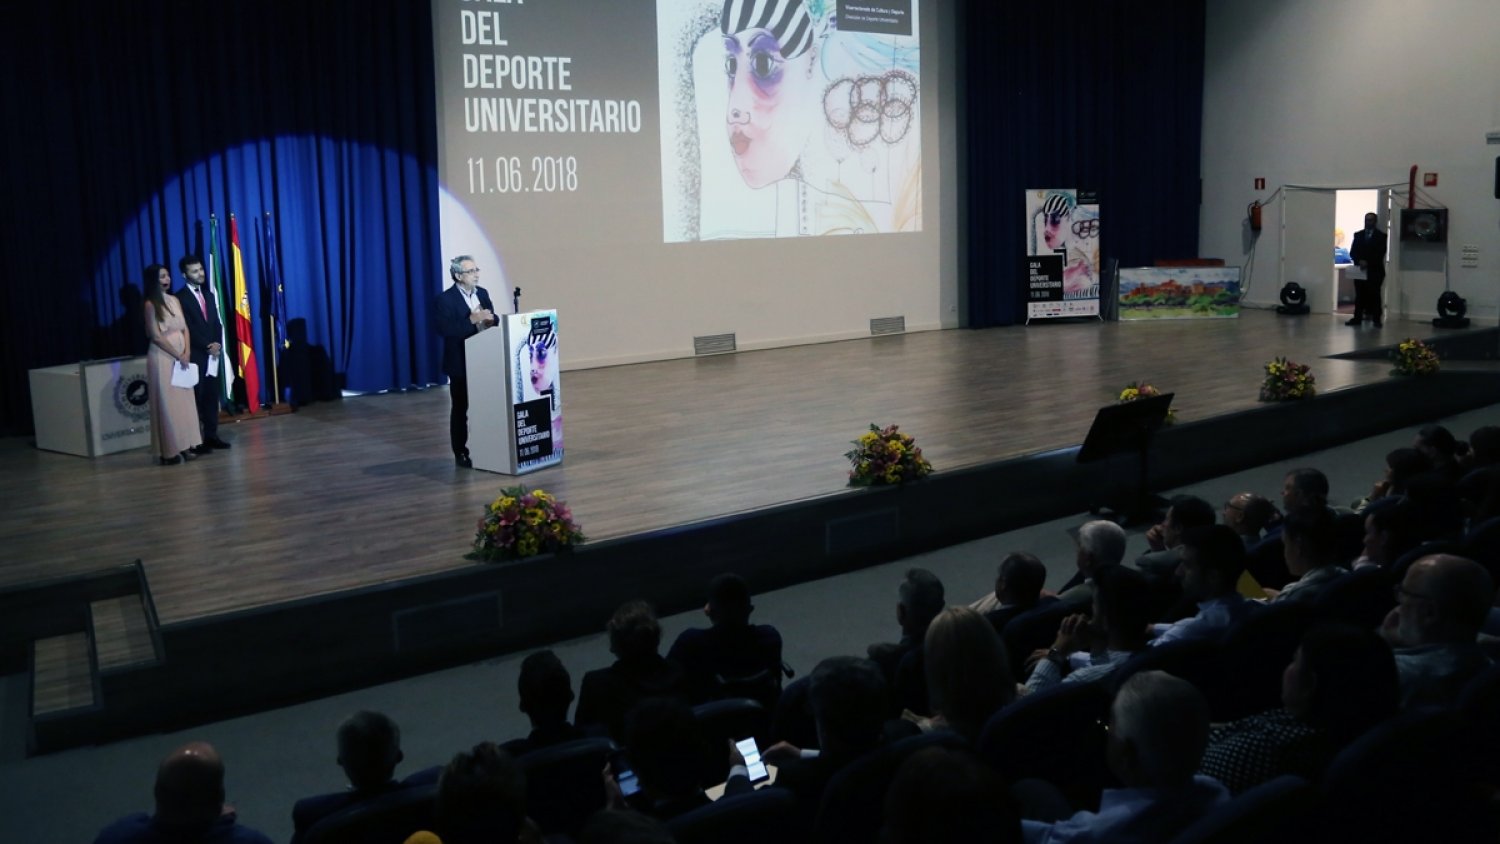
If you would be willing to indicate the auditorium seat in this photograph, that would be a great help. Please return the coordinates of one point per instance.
(387, 819)
(853, 803)
(1362, 599)
(1484, 546)
(1349, 530)
(1193, 660)
(1271, 811)
(1057, 735)
(564, 785)
(759, 817)
(1439, 546)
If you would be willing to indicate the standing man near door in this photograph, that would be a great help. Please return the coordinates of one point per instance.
(1368, 253)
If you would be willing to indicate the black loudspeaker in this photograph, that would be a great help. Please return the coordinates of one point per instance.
(1425, 225)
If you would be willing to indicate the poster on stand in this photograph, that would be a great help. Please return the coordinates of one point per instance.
(1062, 253)
(535, 389)
(1179, 293)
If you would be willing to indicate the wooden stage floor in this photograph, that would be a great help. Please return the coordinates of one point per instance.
(363, 491)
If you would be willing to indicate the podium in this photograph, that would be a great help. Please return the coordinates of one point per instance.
(92, 408)
(515, 394)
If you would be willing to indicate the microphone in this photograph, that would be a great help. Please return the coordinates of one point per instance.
(516, 301)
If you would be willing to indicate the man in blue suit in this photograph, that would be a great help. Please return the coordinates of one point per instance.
(1368, 253)
(205, 336)
(460, 312)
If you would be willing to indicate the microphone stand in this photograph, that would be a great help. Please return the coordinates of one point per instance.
(515, 301)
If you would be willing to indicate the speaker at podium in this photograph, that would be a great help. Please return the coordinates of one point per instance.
(515, 394)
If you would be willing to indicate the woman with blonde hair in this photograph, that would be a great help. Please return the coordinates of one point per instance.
(968, 675)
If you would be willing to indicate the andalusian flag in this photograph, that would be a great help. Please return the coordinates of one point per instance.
(242, 328)
(216, 285)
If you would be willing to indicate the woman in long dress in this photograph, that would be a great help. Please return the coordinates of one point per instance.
(174, 414)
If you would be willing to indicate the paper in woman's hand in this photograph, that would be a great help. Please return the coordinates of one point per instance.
(184, 374)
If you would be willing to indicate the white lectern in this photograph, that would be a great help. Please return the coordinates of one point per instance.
(515, 394)
(92, 408)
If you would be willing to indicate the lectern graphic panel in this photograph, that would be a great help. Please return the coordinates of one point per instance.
(535, 389)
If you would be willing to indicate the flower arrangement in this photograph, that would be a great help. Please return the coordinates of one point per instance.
(1287, 381)
(1413, 357)
(519, 524)
(886, 456)
(1136, 390)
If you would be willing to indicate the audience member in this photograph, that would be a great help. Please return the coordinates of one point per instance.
(189, 805)
(941, 796)
(968, 675)
(1310, 542)
(1186, 511)
(1018, 588)
(667, 751)
(1247, 514)
(732, 657)
(850, 705)
(1100, 543)
(545, 691)
(1441, 604)
(1341, 682)
(920, 599)
(1213, 558)
(606, 695)
(1086, 652)
(1157, 733)
(481, 800)
(1401, 465)
(1390, 532)
(1441, 448)
(1484, 448)
(369, 745)
(1304, 488)
(1438, 510)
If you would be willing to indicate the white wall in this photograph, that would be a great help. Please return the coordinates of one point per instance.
(1351, 93)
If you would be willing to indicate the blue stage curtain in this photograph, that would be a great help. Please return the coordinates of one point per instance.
(1096, 94)
(130, 123)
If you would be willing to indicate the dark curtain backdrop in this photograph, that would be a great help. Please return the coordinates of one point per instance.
(130, 123)
(1096, 94)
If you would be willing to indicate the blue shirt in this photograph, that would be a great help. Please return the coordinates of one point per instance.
(1131, 815)
(141, 828)
(1214, 617)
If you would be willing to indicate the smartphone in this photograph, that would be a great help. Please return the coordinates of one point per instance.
(753, 763)
(624, 774)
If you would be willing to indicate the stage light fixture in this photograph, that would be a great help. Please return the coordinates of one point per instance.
(1293, 300)
(1451, 308)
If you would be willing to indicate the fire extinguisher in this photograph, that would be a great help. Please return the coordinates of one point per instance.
(1254, 212)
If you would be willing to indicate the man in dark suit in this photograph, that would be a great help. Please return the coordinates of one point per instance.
(1368, 253)
(459, 313)
(205, 336)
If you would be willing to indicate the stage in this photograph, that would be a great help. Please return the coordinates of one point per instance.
(691, 465)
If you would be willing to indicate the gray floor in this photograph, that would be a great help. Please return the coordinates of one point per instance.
(275, 757)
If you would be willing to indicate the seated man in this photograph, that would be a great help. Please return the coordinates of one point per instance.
(1158, 729)
(1213, 558)
(919, 600)
(850, 706)
(1247, 514)
(948, 795)
(665, 747)
(1018, 588)
(482, 797)
(1187, 511)
(189, 805)
(545, 691)
(732, 658)
(639, 672)
(1122, 602)
(1441, 604)
(1100, 543)
(1310, 545)
(369, 751)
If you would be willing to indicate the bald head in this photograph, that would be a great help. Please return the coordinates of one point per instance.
(190, 786)
(1455, 593)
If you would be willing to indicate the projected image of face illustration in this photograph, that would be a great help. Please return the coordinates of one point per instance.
(768, 60)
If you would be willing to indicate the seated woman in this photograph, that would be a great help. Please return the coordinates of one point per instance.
(1341, 683)
(968, 674)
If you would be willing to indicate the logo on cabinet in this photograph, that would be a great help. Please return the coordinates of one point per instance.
(133, 397)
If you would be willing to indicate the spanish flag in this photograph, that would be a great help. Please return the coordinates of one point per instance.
(248, 371)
